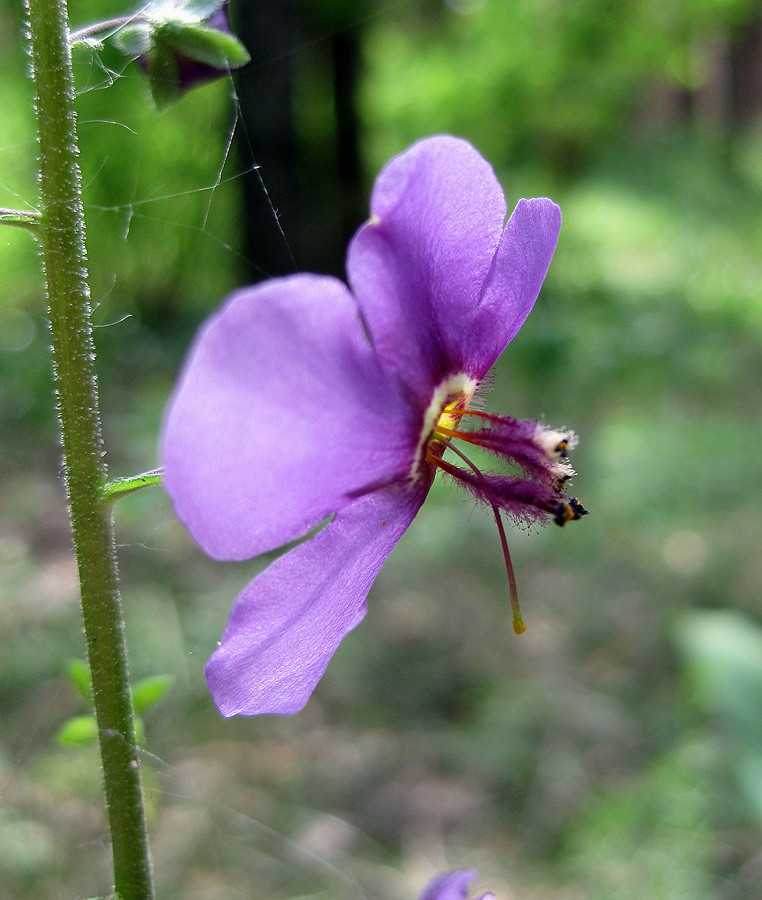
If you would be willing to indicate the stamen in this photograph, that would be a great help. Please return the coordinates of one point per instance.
(481, 413)
(447, 466)
(540, 454)
(569, 511)
(454, 433)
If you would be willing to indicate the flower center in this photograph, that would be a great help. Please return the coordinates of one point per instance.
(455, 393)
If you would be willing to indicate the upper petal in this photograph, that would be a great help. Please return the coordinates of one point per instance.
(520, 266)
(287, 624)
(441, 282)
(281, 412)
(418, 266)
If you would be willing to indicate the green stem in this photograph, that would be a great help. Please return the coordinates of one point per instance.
(63, 246)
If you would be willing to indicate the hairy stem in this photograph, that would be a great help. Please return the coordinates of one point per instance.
(61, 235)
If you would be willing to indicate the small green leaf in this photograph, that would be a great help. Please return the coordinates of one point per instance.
(148, 691)
(164, 74)
(120, 487)
(206, 45)
(79, 674)
(135, 39)
(89, 43)
(140, 731)
(79, 730)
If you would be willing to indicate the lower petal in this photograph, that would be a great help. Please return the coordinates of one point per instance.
(287, 624)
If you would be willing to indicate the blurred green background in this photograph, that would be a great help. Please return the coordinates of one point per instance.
(614, 751)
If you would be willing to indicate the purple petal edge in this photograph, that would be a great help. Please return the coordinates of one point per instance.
(287, 624)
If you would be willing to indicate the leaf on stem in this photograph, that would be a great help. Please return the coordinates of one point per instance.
(121, 487)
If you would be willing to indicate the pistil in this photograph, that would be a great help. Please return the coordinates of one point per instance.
(517, 620)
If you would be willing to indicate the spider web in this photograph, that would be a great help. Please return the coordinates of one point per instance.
(228, 154)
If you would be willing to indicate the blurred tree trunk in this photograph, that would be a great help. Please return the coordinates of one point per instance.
(746, 74)
(730, 93)
(315, 184)
(266, 136)
(346, 57)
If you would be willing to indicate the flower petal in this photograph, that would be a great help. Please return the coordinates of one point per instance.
(519, 269)
(418, 267)
(442, 285)
(287, 624)
(281, 414)
(451, 886)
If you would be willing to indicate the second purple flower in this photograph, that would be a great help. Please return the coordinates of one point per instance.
(302, 399)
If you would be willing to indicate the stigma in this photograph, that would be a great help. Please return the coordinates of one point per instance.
(529, 488)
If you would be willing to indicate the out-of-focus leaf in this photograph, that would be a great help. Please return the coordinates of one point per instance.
(79, 674)
(149, 691)
(79, 730)
(749, 769)
(191, 11)
(724, 654)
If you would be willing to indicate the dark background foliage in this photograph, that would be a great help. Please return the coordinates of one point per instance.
(612, 752)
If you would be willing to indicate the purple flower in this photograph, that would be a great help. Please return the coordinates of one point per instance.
(451, 886)
(302, 400)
